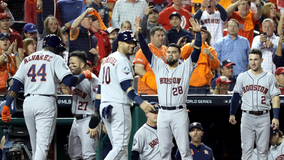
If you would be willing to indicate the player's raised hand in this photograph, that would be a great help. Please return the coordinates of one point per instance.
(4, 6)
(93, 132)
(137, 24)
(146, 107)
(6, 114)
(275, 123)
(87, 74)
(232, 120)
(15, 48)
(39, 4)
(195, 25)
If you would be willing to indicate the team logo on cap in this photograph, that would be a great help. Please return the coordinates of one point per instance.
(194, 124)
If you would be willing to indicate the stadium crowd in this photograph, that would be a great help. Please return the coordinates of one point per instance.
(229, 30)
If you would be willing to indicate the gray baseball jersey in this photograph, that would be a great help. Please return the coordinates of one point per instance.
(115, 68)
(172, 84)
(84, 95)
(146, 142)
(256, 91)
(276, 151)
(42, 66)
(214, 25)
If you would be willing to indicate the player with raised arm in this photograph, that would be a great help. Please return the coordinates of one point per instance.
(172, 83)
(115, 96)
(39, 73)
(256, 88)
(82, 146)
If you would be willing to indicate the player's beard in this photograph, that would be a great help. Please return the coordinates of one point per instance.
(172, 62)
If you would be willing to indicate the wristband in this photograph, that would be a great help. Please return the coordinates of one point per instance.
(134, 96)
(97, 104)
(276, 113)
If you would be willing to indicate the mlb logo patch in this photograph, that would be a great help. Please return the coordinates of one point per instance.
(126, 70)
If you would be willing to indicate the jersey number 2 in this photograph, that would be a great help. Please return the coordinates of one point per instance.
(40, 73)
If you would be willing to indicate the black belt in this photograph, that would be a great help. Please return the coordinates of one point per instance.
(171, 108)
(257, 113)
(81, 116)
(39, 95)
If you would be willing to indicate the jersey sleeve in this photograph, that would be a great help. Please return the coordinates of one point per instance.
(157, 63)
(273, 86)
(140, 58)
(20, 74)
(124, 71)
(138, 143)
(61, 68)
(238, 85)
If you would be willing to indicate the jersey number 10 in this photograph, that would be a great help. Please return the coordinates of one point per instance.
(106, 75)
(40, 73)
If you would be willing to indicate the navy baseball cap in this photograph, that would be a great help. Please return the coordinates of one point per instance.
(156, 106)
(175, 14)
(273, 132)
(195, 125)
(30, 27)
(53, 41)
(4, 35)
(126, 36)
(90, 15)
(227, 63)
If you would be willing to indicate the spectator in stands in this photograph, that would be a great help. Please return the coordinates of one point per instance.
(279, 74)
(222, 85)
(8, 61)
(124, 26)
(149, 21)
(176, 7)
(29, 31)
(5, 9)
(104, 47)
(227, 70)
(202, 75)
(89, 66)
(199, 150)
(269, 11)
(197, 6)
(77, 7)
(30, 11)
(176, 32)
(82, 38)
(5, 27)
(101, 9)
(280, 25)
(234, 47)
(246, 19)
(29, 46)
(147, 80)
(112, 33)
(127, 10)
(267, 42)
(278, 58)
(213, 20)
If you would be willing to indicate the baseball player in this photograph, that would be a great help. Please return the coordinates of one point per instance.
(116, 94)
(213, 20)
(145, 141)
(256, 88)
(39, 73)
(276, 151)
(172, 92)
(80, 145)
(199, 150)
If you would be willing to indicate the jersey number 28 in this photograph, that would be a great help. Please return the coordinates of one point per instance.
(40, 73)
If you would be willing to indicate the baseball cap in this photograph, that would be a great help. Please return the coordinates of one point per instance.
(223, 79)
(175, 14)
(279, 70)
(204, 29)
(155, 9)
(89, 63)
(4, 15)
(126, 36)
(156, 106)
(53, 41)
(227, 63)
(90, 15)
(4, 35)
(197, 5)
(195, 125)
(273, 132)
(111, 29)
(30, 27)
